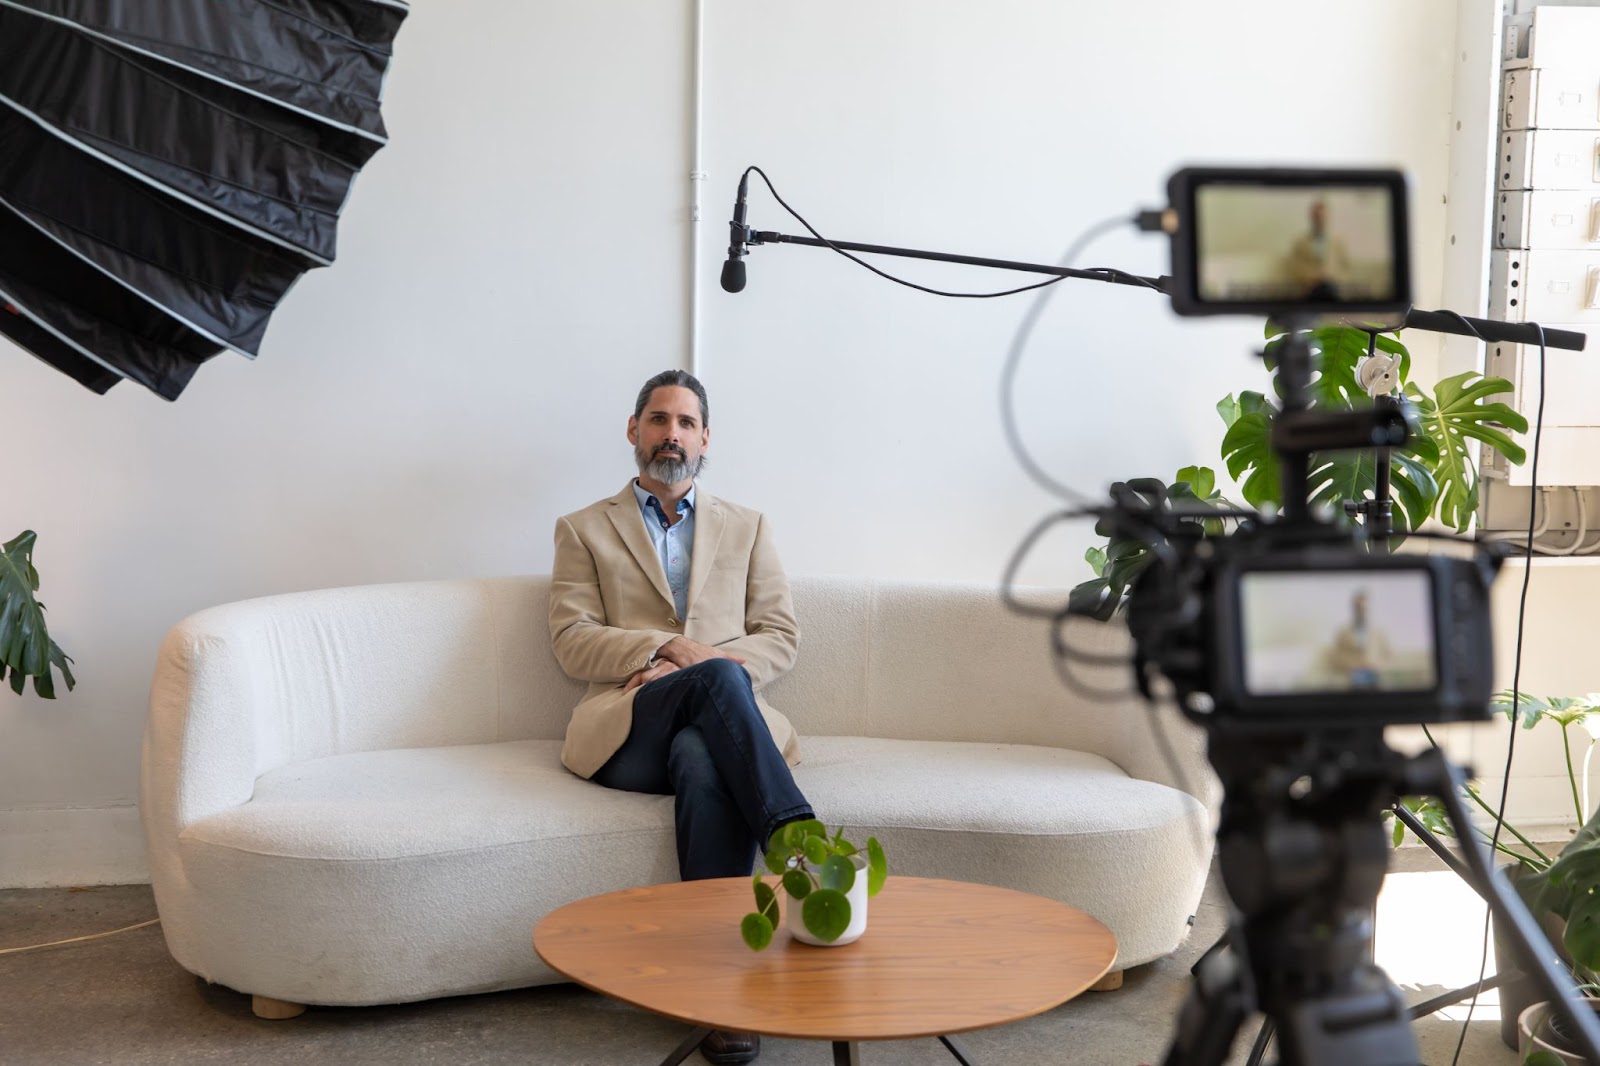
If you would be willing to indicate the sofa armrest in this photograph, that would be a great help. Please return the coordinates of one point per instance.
(209, 733)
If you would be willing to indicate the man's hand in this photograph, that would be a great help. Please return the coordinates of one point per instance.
(681, 651)
(649, 674)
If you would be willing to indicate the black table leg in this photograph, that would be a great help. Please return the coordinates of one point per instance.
(691, 1042)
(846, 1053)
(959, 1050)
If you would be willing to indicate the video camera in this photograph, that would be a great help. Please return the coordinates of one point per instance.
(1296, 622)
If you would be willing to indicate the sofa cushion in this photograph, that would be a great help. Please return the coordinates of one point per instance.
(414, 802)
(483, 839)
(425, 801)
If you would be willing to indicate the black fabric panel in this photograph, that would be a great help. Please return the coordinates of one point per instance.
(31, 338)
(202, 268)
(368, 21)
(98, 94)
(270, 47)
(80, 302)
(347, 147)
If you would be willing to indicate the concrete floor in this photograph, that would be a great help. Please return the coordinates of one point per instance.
(123, 1000)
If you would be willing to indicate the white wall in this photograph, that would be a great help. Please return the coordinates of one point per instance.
(511, 268)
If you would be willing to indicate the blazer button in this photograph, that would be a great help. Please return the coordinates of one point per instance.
(673, 622)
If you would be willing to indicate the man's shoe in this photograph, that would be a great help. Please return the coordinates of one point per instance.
(723, 1048)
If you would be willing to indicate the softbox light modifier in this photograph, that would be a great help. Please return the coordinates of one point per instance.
(169, 169)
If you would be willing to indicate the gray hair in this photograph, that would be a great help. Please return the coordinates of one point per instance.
(682, 379)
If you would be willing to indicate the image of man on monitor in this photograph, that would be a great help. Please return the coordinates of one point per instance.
(1360, 652)
(1318, 261)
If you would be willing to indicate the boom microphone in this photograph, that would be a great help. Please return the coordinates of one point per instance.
(733, 269)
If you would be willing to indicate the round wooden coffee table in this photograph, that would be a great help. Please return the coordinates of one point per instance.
(938, 957)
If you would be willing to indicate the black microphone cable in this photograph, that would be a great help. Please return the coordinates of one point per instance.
(1516, 668)
(1129, 220)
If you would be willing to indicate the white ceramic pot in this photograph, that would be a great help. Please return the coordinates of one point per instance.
(1529, 1023)
(858, 911)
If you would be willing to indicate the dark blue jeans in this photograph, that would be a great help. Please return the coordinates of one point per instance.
(698, 736)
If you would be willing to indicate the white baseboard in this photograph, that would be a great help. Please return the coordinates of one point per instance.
(53, 847)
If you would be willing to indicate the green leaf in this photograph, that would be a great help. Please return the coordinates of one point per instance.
(877, 866)
(1228, 408)
(1093, 598)
(797, 883)
(1247, 451)
(1200, 479)
(843, 846)
(1543, 1058)
(756, 930)
(1096, 558)
(777, 859)
(1582, 937)
(793, 836)
(1451, 419)
(811, 827)
(1574, 874)
(838, 873)
(26, 649)
(826, 914)
(816, 850)
(1526, 709)
(766, 901)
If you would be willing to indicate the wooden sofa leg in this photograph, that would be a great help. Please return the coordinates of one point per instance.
(275, 1010)
(1109, 983)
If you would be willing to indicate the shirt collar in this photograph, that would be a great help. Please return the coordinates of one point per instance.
(647, 500)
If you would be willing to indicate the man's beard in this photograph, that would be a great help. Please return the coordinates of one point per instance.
(669, 466)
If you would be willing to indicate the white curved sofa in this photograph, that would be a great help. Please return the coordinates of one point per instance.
(354, 796)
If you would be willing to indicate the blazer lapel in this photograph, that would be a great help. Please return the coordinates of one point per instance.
(624, 514)
(709, 519)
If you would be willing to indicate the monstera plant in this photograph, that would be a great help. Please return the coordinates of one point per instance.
(1431, 476)
(26, 649)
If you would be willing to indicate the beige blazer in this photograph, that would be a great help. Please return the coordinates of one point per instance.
(611, 608)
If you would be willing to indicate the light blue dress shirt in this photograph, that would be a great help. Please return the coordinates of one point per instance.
(674, 544)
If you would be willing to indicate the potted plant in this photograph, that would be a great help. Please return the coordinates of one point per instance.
(26, 649)
(1431, 476)
(1544, 1038)
(1555, 888)
(828, 880)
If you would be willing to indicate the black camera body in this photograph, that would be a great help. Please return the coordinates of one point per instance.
(1289, 629)
(1294, 624)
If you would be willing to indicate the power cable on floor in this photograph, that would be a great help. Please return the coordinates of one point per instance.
(78, 939)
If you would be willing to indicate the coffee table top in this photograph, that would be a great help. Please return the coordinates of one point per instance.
(938, 957)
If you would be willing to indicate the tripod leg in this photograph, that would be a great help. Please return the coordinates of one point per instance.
(1258, 1050)
(1211, 1015)
(1222, 942)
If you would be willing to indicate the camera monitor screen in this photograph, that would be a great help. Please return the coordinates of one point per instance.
(1336, 631)
(1318, 242)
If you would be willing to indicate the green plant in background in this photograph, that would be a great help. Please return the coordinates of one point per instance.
(1568, 883)
(26, 649)
(1432, 476)
(816, 870)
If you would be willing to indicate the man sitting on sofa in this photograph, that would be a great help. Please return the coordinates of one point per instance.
(673, 606)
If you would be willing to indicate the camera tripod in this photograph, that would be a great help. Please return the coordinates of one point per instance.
(1302, 849)
(1303, 853)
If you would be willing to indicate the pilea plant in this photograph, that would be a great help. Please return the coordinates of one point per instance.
(816, 871)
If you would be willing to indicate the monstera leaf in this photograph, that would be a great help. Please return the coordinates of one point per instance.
(26, 649)
(1247, 448)
(1125, 556)
(1451, 420)
(1336, 352)
(1432, 474)
(1353, 475)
